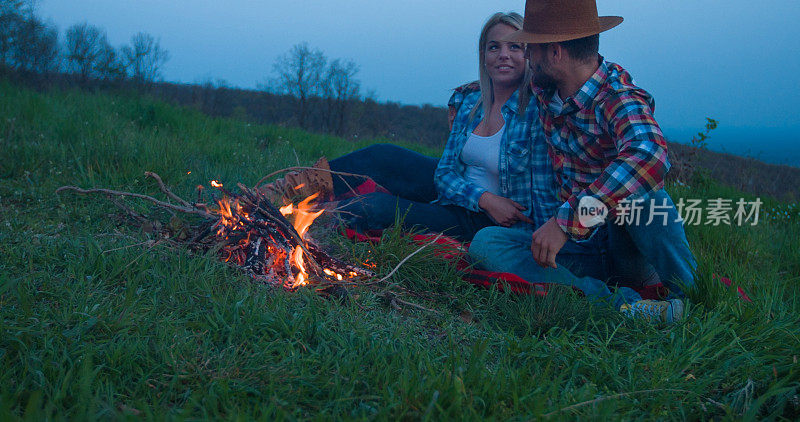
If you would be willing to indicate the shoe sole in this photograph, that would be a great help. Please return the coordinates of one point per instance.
(677, 309)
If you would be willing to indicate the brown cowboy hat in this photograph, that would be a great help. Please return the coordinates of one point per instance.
(561, 20)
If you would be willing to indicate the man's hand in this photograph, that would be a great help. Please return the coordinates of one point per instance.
(502, 210)
(547, 241)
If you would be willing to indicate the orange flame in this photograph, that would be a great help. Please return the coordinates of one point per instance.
(333, 274)
(303, 217)
(233, 217)
(225, 208)
(230, 214)
(286, 210)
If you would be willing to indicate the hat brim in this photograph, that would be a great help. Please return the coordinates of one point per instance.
(605, 23)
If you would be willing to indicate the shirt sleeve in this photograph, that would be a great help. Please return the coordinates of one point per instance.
(448, 178)
(639, 168)
(454, 104)
(452, 107)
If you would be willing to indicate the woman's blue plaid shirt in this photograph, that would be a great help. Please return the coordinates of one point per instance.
(526, 173)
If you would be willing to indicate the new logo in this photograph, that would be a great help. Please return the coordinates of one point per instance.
(591, 211)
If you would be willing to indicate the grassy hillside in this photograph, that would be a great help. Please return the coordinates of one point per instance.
(96, 321)
(742, 173)
(426, 125)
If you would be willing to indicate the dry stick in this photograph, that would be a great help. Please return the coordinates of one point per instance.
(395, 268)
(296, 157)
(126, 247)
(281, 221)
(151, 246)
(116, 234)
(204, 232)
(340, 209)
(188, 210)
(338, 264)
(395, 300)
(166, 190)
(338, 173)
(391, 273)
(616, 396)
(133, 214)
(283, 224)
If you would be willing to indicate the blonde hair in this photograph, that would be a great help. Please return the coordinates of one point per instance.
(513, 20)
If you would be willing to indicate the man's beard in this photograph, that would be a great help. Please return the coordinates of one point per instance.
(542, 79)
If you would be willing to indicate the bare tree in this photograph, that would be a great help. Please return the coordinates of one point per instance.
(26, 43)
(109, 63)
(36, 46)
(84, 47)
(13, 6)
(341, 88)
(144, 57)
(12, 15)
(299, 73)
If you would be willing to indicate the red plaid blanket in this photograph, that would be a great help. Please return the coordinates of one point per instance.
(456, 252)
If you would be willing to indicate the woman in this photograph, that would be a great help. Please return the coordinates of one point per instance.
(483, 178)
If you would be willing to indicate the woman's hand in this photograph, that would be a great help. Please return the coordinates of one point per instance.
(502, 210)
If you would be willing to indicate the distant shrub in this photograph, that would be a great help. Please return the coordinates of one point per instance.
(684, 163)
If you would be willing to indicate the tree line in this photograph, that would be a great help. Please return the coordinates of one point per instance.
(304, 88)
(363, 117)
(28, 44)
(330, 85)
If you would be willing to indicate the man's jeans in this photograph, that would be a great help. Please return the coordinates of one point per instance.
(408, 175)
(639, 254)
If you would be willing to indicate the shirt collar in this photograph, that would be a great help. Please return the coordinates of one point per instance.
(582, 99)
(585, 96)
(511, 106)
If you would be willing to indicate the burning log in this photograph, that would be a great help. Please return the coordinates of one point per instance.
(248, 231)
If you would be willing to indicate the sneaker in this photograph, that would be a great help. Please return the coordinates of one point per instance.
(301, 184)
(667, 311)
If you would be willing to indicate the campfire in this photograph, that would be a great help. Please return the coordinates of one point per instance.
(252, 234)
(259, 239)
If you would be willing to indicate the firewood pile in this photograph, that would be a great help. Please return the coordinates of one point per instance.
(247, 231)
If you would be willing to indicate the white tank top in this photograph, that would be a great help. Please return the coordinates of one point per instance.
(481, 154)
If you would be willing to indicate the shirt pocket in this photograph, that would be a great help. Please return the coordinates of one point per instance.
(519, 156)
(585, 144)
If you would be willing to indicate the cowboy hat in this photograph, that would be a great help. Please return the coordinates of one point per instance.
(561, 20)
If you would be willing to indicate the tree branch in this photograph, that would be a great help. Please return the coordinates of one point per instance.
(188, 210)
(166, 190)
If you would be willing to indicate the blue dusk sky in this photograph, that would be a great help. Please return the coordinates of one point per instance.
(736, 61)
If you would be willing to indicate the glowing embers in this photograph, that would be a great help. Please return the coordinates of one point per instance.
(258, 237)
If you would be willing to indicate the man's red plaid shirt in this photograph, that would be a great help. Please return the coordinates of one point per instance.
(603, 142)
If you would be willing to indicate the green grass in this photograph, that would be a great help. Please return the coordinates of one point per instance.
(97, 323)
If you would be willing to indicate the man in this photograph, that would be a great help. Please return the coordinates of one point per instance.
(609, 158)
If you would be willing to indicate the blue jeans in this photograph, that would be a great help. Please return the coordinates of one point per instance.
(640, 254)
(408, 175)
